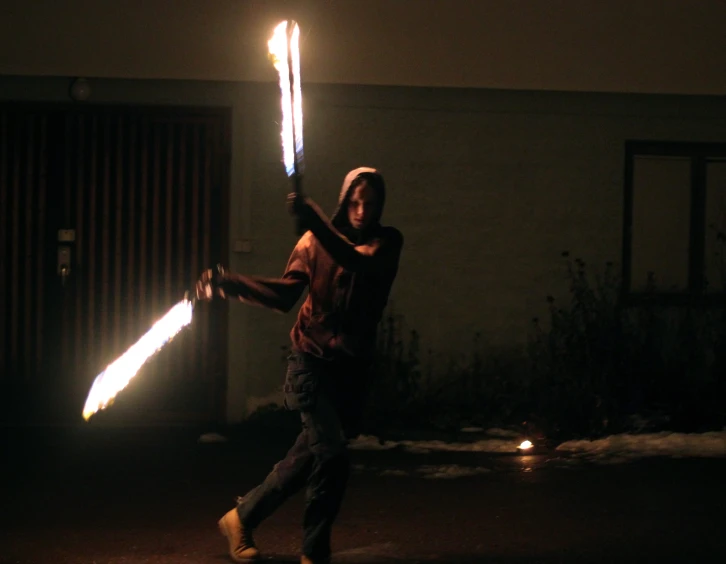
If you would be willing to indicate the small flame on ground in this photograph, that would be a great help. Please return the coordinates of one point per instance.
(290, 98)
(119, 373)
(525, 445)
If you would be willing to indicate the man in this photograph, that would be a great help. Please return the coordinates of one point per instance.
(348, 263)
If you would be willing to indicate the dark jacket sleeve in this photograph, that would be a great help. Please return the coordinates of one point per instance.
(385, 257)
(279, 294)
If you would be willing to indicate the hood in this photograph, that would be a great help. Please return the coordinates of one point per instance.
(375, 180)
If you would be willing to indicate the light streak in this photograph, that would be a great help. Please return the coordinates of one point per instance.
(119, 373)
(284, 52)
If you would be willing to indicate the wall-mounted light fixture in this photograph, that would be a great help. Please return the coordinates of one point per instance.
(80, 90)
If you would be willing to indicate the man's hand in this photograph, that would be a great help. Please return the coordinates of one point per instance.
(208, 286)
(299, 206)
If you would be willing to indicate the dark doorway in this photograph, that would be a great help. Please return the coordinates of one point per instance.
(107, 216)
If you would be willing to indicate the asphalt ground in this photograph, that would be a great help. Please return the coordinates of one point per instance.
(133, 496)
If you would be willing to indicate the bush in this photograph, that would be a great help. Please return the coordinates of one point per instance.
(599, 365)
(483, 388)
(594, 367)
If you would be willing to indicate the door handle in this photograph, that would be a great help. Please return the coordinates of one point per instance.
(65, 238)
(64, 263)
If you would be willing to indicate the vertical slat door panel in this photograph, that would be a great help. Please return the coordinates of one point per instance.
(141, 189)
(82, 193)
(173, 384)
(15, 243)
(4, 237)
(89, 223)
(29, 251)
(41, 261)
(23, 160)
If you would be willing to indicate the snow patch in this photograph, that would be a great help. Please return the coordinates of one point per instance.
(627, 446)
(450, 471)
(382, 551)
(614, 449)
(425, 446)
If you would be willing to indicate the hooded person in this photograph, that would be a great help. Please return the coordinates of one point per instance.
(348, 263)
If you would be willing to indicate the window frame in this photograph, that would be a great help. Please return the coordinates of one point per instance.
(699, 154)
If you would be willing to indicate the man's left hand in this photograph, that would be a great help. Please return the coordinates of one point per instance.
(298, 206)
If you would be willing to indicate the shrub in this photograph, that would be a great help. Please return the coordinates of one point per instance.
(600, 364)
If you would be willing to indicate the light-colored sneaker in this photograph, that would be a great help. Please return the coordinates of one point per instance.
(241, 545)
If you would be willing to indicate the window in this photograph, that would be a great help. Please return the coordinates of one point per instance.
(674, 235)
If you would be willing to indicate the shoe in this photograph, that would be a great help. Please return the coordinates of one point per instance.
(305, 560)
(241, 546)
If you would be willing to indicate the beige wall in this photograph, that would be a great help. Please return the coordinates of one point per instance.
(666, 46)
(488, 187)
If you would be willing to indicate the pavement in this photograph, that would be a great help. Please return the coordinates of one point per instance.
(86, 495)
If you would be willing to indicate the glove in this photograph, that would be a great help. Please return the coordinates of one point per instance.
(209, 284)
(300, 207)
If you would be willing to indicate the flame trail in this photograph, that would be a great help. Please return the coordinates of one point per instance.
(284, 52)
(119, 373)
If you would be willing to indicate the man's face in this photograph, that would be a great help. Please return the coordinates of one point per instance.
(362, 206)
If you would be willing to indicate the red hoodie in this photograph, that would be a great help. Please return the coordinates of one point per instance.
(349, 275)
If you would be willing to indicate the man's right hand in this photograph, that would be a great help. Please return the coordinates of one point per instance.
(208, 286)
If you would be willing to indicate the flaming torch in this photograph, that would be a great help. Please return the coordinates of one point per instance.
(284, 52)
(119, 373)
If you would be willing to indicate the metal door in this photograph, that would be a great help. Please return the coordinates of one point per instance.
(107, 216)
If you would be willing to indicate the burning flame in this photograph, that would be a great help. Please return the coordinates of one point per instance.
(119, 373)
(284, 52)
(525, 445)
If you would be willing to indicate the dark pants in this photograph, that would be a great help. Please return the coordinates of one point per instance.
(329, 398)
